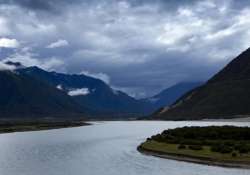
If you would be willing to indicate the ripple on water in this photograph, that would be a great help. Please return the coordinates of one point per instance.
(107, 148)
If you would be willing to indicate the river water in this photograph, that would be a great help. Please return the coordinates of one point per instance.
(104, 148)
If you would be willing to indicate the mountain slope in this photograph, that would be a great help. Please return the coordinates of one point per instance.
(225, 95)
(90, 92)
(171, 94)
(25, 97)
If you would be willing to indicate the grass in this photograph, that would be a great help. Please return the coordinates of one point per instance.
(204, 154)
(36, 126)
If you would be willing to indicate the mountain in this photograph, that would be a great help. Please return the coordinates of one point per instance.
(23, 97)
(91, 93)
(225, 95)
(171, 94)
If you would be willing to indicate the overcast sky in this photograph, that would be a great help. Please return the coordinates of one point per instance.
(139, 46)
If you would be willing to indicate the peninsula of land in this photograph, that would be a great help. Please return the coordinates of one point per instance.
(227, 146)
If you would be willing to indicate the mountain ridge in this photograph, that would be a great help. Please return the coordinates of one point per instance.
(24, 97)
(100, 97)
(169, 95)
(225, 95)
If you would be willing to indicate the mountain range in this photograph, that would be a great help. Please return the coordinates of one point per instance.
(25, 97)
(90, 92)
(32, 92)
(225, 95)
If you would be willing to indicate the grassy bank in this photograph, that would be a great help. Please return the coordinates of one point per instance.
(18, 126)
(219, 148)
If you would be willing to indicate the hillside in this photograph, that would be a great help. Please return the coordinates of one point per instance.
(225, 95)
(91, 93)
(23, 97)
(168, 96)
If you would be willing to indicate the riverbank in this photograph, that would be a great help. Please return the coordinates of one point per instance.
(18, 126)
(205, 156)
(238, 119)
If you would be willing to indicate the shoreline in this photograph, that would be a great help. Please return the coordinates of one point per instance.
(28, 125)
(192, 159)
(11, 127)
(240, 119)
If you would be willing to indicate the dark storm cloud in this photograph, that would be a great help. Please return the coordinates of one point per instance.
(32, 4)
(44, 5)
(55, 5)
(140, 46)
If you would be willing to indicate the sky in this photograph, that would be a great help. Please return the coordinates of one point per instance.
(138, 46)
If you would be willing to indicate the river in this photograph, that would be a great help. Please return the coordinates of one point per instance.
(104, 148)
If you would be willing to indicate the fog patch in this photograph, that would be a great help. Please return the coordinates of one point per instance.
(78, 92)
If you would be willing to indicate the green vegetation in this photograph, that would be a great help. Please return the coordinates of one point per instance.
(225, 144)
(20, 126)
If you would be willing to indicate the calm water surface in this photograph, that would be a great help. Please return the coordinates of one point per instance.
(105, 148)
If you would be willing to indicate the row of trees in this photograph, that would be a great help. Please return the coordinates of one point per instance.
(223, 139)
(210, 133)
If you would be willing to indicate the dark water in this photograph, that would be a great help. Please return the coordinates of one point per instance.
(105, 148)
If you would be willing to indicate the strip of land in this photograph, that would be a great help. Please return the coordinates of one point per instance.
(204, 156)
(236, 119)
(21, 126)
(227, 146)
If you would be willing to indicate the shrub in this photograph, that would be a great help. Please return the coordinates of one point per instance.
(181, 146)
(158, 138)
(243, 149)
(238, 145)
(229, 143)
(195, 147)
(226, 149)
(221, 148)
(234, 154)
(215, 148)
(192, 142)
(149, 139)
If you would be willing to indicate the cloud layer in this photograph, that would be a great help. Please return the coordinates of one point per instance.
(140, 47)
(59, 43)
(77, 92)
(8, 43)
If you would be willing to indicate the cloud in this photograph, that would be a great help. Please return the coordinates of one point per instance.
(102, 76)
(27, 58)
(4, 29)
(49, 5)
(59, 43)
(143, 46)
(77, 92)
(4, 67)
(9, 43)
(59, 87)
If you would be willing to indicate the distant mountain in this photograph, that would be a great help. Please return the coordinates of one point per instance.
(170, 95)
(23, 97)
(225, 95)
(91, 93)
(57, 94)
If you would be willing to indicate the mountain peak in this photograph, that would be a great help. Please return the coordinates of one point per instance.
(225, 95)
(237, 69)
